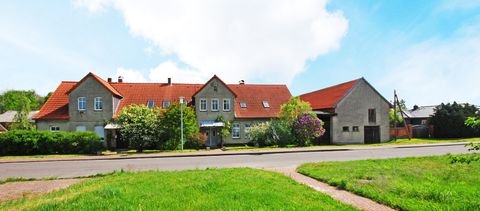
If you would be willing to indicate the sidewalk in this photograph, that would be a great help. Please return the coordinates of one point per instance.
(219, 152)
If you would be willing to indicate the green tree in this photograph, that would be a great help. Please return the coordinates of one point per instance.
(22, 121)
(140, 126)
(170, 125)
(397, 116)
(13, 99)
(294, 108)
(226, 130)
(449, 120)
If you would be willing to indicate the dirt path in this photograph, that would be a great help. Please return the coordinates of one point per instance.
(18, 190)
(340, 195)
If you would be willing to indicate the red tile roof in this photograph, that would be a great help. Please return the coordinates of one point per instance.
(254, 95)
(101, 81)
(56, 106)
(139, 93)
(329, 97)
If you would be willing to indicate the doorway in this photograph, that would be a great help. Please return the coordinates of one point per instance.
(371, 134)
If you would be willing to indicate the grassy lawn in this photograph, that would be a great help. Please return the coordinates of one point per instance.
(212, 189)
(417, 183)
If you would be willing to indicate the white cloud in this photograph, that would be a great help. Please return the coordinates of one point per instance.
(130, 75)
(269, 40)
(438, 70)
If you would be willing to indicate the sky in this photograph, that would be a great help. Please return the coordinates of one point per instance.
(429, 51)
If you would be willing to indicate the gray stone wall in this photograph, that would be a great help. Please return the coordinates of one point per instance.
(243, 133)
(46, 124)
(353, 111)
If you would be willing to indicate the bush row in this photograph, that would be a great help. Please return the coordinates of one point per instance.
(24, 142)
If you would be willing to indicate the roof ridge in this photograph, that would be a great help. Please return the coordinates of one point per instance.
(332, 86)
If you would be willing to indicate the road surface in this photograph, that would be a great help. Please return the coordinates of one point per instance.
(63, 169)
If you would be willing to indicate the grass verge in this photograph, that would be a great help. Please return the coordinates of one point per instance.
(417, 183)
(212, 189)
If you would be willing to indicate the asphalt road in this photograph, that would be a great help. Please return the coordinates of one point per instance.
(64, 169)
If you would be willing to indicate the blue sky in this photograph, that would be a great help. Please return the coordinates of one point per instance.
(429, 51)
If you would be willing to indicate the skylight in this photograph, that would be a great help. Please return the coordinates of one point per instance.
(243, 105)
(150, 103)
(266, 104)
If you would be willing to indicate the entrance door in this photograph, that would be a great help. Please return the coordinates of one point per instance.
(371, 134)
(212, 134)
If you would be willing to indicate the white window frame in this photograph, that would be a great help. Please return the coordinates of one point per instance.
(206, 104)
(247, 128)
(153, 103)
(83, 101)
(100, 101)
(243, 105)
(54, 128)
(215, 100)
(229, 104)
(266, 104)
(235, 130)
(165, 103)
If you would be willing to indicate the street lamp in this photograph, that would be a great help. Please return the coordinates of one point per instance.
(181, 121)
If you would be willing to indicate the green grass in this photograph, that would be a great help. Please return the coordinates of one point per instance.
(211, 189)
(417, 183)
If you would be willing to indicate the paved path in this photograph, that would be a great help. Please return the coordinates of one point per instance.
(64, 169)
(18, 190)
(340, 195)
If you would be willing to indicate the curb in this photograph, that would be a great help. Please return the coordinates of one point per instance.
(179, 155)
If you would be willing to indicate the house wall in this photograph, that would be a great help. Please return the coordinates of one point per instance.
(90, 88)
(46, 124)
(243, 133)
(352, 110)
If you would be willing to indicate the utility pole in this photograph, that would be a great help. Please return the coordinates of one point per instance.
(181, 122)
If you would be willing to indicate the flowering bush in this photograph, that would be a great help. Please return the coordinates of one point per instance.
(307, 128)
(261, 134)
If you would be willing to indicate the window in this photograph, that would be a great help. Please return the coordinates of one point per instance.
(226, 104)
(235, 130)
(82, 103)
(424, 122)
(98, 104)
(165, 103)
(372, 115)
(345, 129)
(150, 103)
(81, 128)
(355, 129)
(266, 104)
(214, 104)
(54, 128)
(203, 104)
(243, 105)
(247, 128)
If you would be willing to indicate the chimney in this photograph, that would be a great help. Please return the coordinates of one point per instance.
(120, 79)
(415, 107)
(241, 82)
(169, 82)
(109, 80)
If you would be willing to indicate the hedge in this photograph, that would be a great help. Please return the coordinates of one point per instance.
(24, 142)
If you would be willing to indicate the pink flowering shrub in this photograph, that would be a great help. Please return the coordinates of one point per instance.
(306, 128)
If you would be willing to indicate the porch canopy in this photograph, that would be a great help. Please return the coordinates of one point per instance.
(210, 123)
(112, 126)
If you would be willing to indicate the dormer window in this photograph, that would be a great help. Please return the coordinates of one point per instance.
(243, 105)
(82, 103)
(150, 103)
(166, 103)
(266, 104)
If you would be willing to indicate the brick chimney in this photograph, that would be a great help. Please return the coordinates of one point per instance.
(109, 80)
(169, 81)
(241, 82)
(120, 79)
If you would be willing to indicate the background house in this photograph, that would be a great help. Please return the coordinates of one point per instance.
(89, 104)
(8, 118)
(353, 112)
(417, 120)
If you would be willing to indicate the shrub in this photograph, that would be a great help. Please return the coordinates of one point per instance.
(197, 140)
(22, 142)
(261, 134)
(282, 133)
(307, 128)
(449, 120)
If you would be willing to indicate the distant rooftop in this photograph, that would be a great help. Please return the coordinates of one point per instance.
(421, 111)
(9, 116)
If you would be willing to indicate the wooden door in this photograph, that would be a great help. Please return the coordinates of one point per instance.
(371, 134)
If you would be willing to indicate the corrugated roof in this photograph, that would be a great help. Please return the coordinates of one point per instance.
(329, 97)
(9, 116)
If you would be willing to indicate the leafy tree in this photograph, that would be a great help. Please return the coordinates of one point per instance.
(140, 126)
(449, 120)
(307, 128)
(294, 108)
(260, 134)
(397, 116)
(13, 99)
(282, 133)
(170, 125)
(22, 121)
(226, 129)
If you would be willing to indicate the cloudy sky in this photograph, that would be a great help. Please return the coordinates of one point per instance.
(429, 51)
